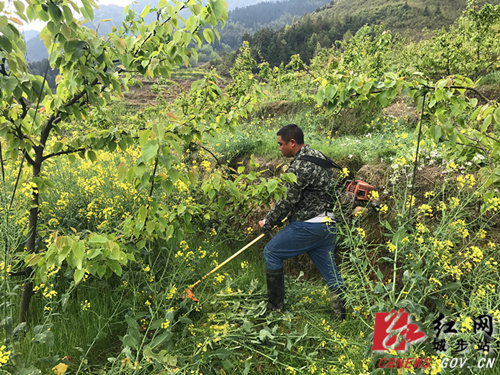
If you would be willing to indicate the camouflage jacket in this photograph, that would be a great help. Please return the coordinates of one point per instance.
(306, 198)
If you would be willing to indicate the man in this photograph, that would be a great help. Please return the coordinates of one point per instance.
(310, 229)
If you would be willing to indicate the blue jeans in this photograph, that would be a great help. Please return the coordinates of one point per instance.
(315, 239)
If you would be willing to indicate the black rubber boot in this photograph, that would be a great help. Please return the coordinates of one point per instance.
(337, 303)
(275, 289)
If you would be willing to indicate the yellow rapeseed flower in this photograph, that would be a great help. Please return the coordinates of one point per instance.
(410, 201)
(4, 355)
(454, 202)
(390, 246)
(85, 305)
(467, 325)
(171, 292)
(425, 209)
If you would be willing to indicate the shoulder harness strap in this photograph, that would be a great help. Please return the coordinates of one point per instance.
(325, 163)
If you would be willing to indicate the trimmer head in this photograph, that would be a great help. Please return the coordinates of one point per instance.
(189, 294)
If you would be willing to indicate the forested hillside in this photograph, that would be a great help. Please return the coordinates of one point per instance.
(343, 18)
(272, 15)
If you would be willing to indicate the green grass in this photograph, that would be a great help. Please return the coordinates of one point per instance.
(492, 78)
(380, 140)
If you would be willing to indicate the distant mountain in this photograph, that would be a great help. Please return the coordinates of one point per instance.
(30, 34)
(105, 12)
(234, 4)
(231, 4)
(35, 49)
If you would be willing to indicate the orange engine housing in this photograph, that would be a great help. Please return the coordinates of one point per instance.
(360, 189)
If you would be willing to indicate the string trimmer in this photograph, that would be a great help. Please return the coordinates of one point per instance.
(189, 293)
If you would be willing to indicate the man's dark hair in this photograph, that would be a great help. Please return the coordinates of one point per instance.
(291, 131)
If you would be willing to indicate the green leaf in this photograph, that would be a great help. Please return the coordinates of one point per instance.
(223, 353)
(79, 253)
(382, 99)
(289, 177)
(320, 95)
(44, 337)
(219, 8)
(122, 171)
(330, 91)
(438, 95)
(149, 150)
(10, 83)
(399, 235)
(168, 186)
(57, 147)
(496, 116)
(143, 212)
(272, 185)
(19, 6)
(92, 155)
(441, 84)
(264, 334)
(365, 90)
(130, 341)
(174, 174)
(89, 10)
(436, 132)
(486, 123)
(115, 266)
(144, 137)
(78, 275)
(475, 113)
(209, 35)
(160, 339)
(145, 11)
(170, 231)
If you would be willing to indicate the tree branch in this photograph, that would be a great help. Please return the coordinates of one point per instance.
(481, 146)
(474, 90)
(154, 32)
(25, 107)
(29, 159)
(55, 118)
(492, 138)
(463, 144)
(211, 153)
(3, 71)
(62, 153)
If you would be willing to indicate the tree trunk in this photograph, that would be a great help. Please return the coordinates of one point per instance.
(30, 242)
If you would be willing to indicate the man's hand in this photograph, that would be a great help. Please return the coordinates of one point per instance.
(261, 223)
